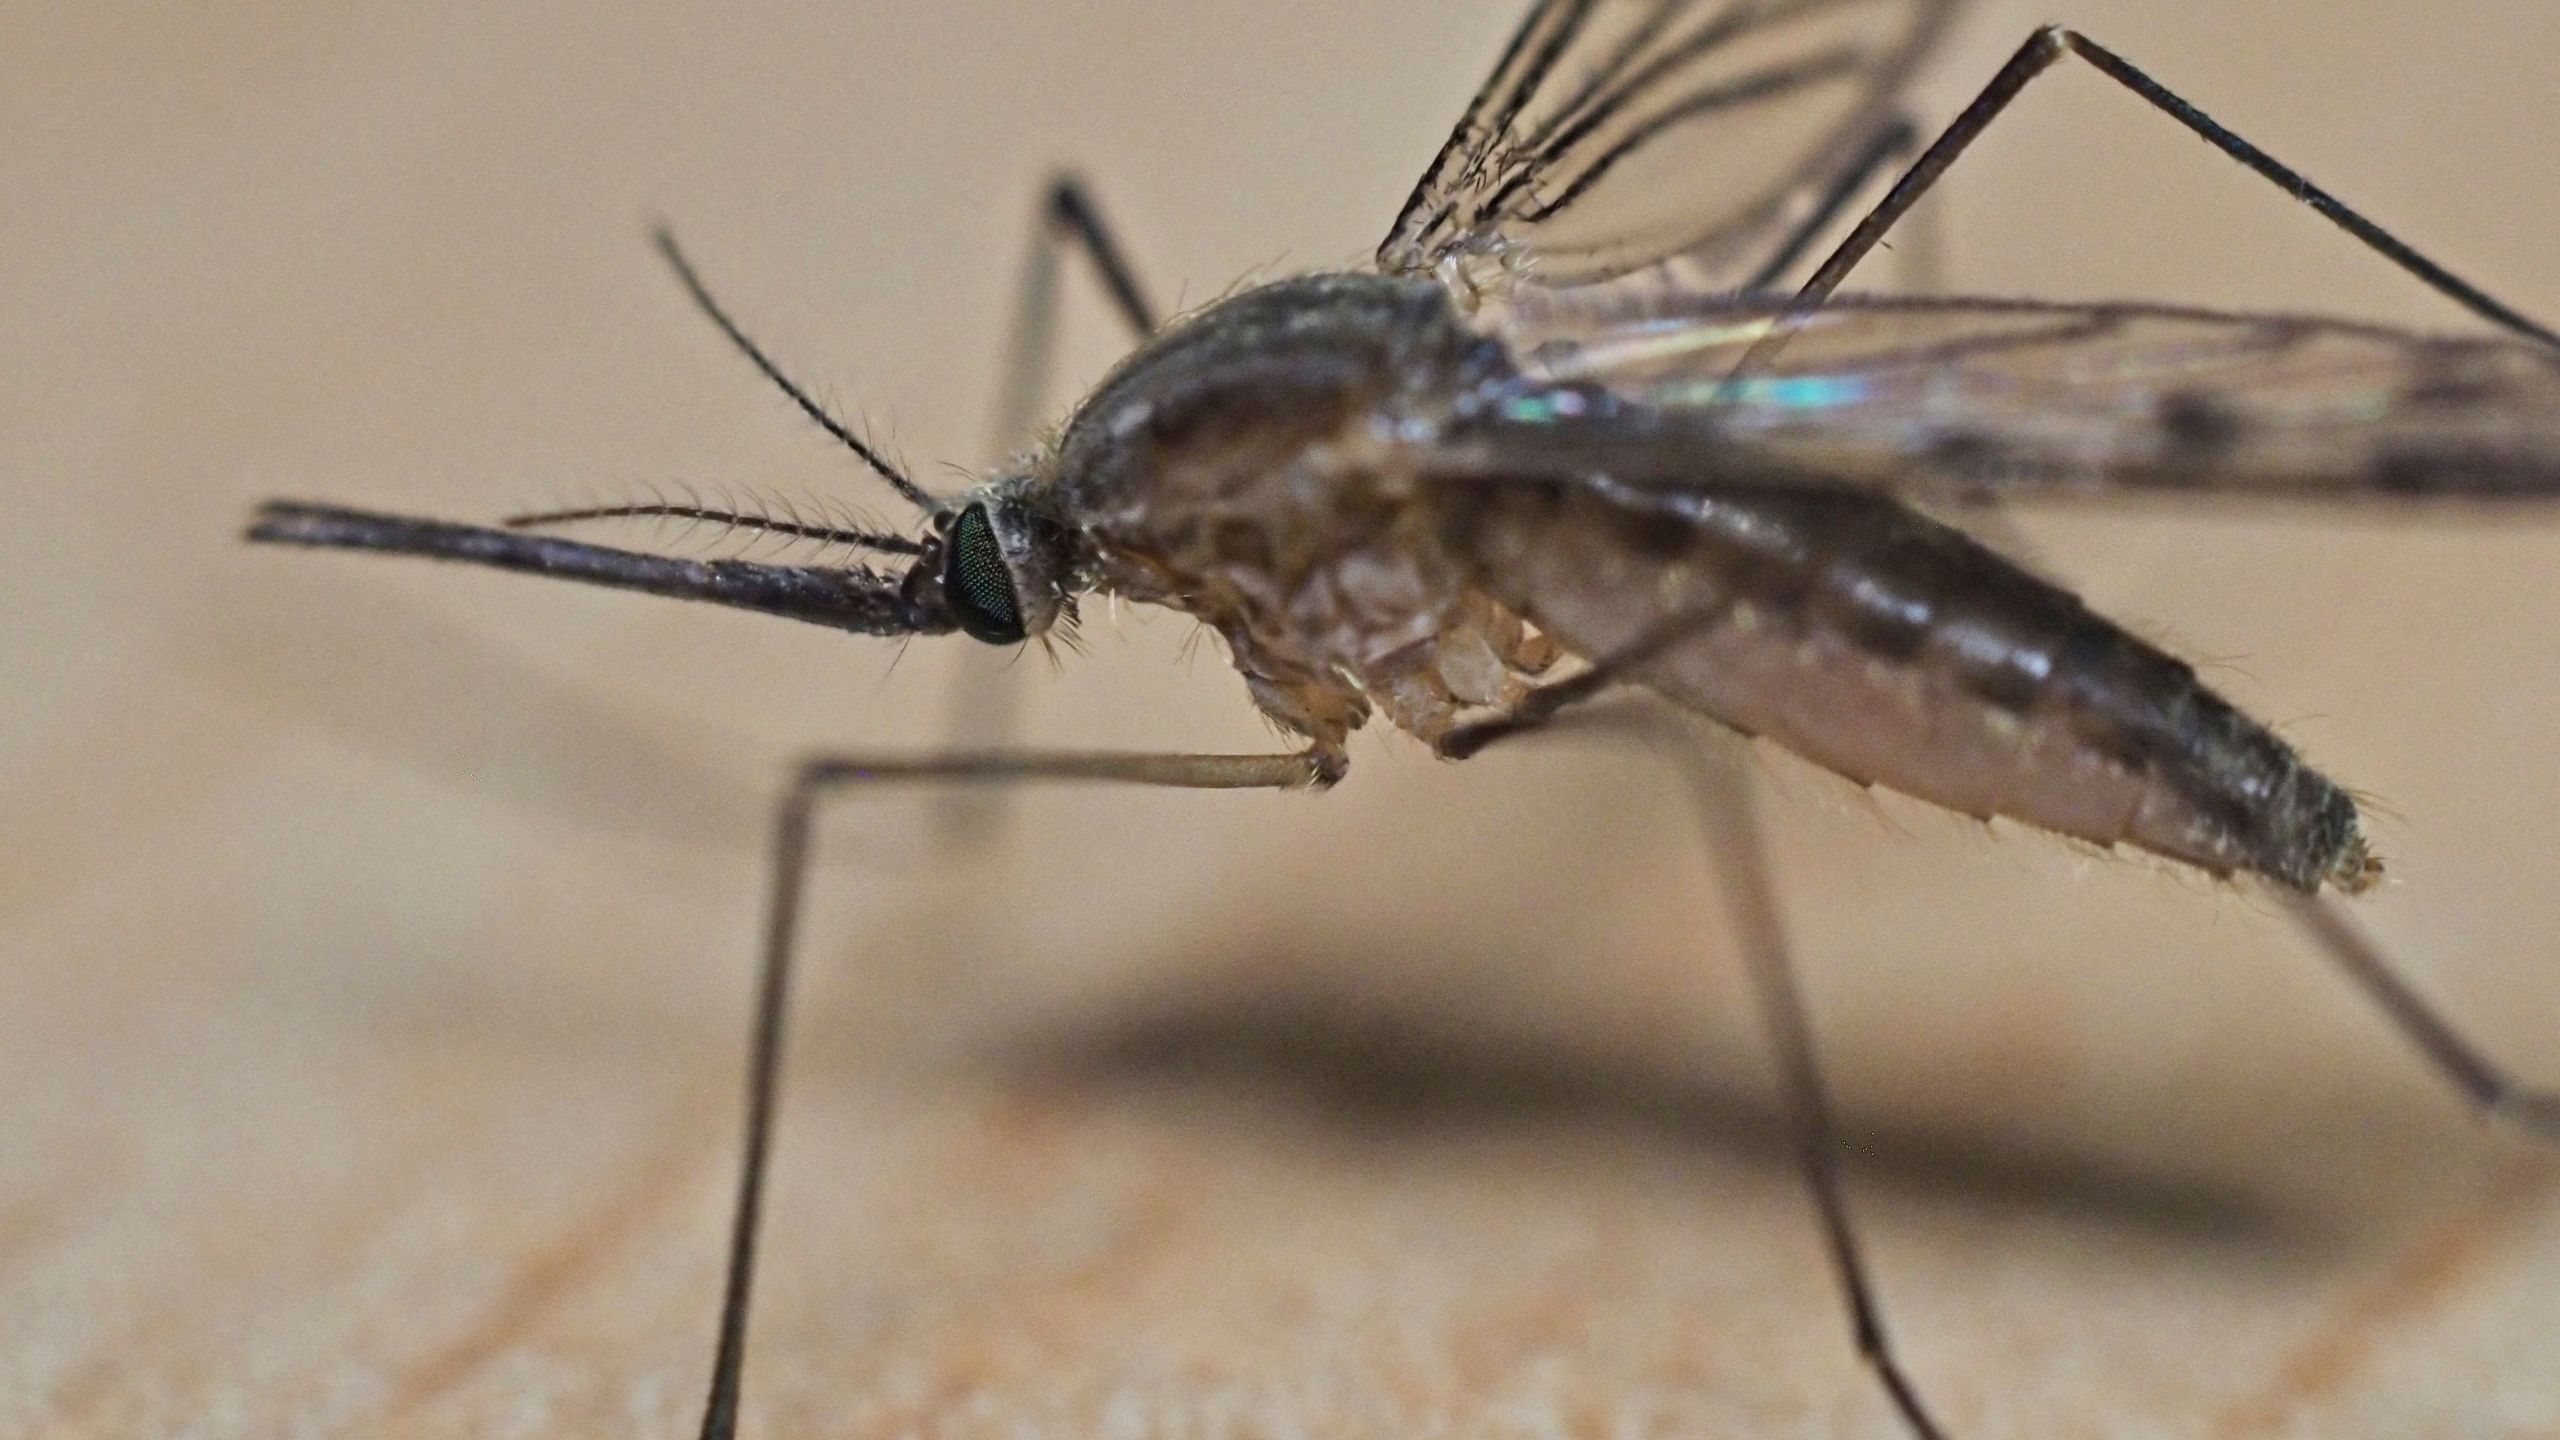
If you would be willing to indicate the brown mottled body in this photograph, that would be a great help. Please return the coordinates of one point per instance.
(1209, 474)
(1255, 468)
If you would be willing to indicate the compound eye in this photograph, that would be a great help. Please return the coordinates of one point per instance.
(977, 582)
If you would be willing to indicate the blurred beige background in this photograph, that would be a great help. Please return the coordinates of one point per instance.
(377, 936)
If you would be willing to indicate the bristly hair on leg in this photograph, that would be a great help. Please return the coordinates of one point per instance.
(915, 494)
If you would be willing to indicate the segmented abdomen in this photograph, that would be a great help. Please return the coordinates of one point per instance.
(1897, 651)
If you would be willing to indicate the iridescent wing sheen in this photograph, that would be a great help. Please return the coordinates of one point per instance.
(1966, 400)
(1620, 134)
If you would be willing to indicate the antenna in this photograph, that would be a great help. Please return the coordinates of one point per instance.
(915, 494)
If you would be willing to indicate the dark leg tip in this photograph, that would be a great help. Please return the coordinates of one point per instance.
(296, 522)
(1466, 740)
(2535, 1112)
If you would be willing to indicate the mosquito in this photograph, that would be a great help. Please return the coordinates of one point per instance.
(1582, 428)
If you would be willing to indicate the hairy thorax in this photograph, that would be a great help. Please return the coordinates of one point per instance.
(1219, 473)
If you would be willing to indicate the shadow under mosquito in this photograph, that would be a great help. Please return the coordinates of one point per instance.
(1382, 1074)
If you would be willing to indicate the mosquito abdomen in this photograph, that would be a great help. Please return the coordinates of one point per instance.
(1899, 652)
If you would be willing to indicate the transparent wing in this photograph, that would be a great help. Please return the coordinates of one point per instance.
(1617, 134)
(1967, 400)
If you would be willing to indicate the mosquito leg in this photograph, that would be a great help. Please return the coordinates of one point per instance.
(1923, 252)
(986, 702)
(2038, 54)
(1536, 711)
(1540, 707)
(1068, 216)
(1733, 842)
(817, 779)
(2483, 1080)
(1924, 248)
(1724, 806)
(1894, 142)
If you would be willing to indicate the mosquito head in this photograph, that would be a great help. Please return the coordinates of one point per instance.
(1000, 565)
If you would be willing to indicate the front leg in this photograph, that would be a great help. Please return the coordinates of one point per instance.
(819, 778)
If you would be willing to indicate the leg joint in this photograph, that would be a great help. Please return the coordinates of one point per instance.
(1066, 204)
